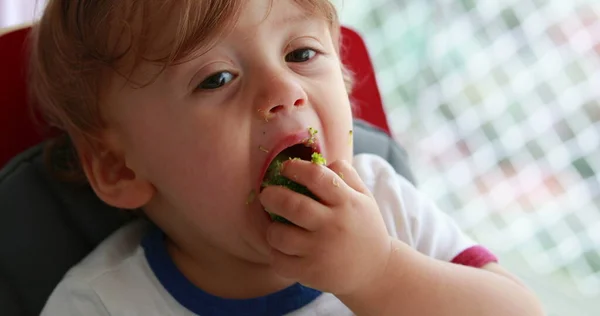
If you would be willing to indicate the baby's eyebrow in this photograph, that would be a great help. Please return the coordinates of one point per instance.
(182, 69)
(291, 19)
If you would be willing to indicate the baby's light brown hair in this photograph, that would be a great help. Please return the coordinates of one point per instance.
(78, 46)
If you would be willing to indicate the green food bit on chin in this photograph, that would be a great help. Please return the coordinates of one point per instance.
(251, 197)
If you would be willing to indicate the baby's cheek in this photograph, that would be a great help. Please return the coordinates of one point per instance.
(340, 140)
(207, 182)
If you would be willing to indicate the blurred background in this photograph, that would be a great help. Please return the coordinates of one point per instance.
(498, 105)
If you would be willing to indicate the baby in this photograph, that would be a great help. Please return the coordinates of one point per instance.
(178, 108)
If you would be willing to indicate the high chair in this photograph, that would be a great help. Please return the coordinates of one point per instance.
(47, 226)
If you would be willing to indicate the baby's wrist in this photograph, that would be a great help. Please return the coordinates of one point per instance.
(399, 263)
(379, 270)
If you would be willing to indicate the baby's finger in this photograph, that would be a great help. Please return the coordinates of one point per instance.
(320, 180)
(288, 239)
(347, 173)
(296, 208)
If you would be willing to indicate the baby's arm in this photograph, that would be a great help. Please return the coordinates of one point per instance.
(434, 269)
(415, 284)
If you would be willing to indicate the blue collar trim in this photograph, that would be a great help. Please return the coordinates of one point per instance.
(202, 303)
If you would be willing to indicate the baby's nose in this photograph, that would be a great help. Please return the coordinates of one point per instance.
(282, 92)
(279, 107)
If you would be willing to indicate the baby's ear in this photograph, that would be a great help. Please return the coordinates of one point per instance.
(115, 183)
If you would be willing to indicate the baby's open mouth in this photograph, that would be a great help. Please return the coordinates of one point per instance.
(273, 175)
(303, 151)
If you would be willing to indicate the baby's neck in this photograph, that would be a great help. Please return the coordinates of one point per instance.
(225, 276)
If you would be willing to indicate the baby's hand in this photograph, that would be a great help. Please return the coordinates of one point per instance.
(340, 243)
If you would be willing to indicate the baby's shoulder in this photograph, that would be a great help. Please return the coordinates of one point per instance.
(376, 172)
(114, 277)
(397, 198)
(114, 254)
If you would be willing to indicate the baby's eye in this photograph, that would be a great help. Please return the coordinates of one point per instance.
(300, 55)
(216, 80)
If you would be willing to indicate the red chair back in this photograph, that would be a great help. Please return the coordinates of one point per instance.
(365, 94)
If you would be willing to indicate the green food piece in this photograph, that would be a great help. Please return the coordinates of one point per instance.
(274, 177)
(313, 132)
(251, 197)
(350, 138)
(318, 159)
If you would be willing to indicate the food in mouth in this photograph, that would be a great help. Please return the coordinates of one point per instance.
(273, 176)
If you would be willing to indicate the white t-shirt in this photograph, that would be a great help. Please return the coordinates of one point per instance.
(131, 273)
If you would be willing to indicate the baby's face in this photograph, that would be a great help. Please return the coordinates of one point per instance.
(205, 131)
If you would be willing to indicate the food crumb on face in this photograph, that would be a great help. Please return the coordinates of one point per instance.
(335, 183)
(265, 115)
(263, 149)
(350, 137)
(318, 159)
(313, 132)
(341, 175)
(251, 197)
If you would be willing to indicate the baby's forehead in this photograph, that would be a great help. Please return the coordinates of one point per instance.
(164, 31)
(192, 28)
(167, 33)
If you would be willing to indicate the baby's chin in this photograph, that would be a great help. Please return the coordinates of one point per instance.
(248, 225)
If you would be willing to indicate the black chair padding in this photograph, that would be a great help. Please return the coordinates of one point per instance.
(47, 226)
(371, 139)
